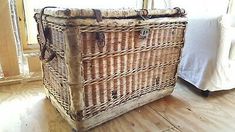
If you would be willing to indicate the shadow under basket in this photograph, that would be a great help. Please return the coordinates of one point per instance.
(99, 64)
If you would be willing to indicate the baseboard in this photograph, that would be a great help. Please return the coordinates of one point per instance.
(36, 76)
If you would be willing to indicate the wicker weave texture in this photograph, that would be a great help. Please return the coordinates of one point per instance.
(87, 78)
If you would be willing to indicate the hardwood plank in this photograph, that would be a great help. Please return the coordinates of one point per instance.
(189, 111)
(25, 108)
(138, 120)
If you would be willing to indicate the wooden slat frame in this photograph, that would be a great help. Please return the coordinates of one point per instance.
(22, 24)
(8, 56)
(33, 62)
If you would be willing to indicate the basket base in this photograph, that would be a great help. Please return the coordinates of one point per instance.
(111, 113)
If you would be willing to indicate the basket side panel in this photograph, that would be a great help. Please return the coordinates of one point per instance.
(54, 71)
(62, 75)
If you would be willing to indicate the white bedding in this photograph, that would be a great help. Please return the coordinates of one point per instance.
(207, 58)
(206, 61)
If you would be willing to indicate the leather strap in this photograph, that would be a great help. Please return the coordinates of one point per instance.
(98, 15)
(43, 40)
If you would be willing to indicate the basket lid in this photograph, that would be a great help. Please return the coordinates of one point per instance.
(109, 13)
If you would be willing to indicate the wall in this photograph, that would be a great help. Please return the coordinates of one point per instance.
(195, 8)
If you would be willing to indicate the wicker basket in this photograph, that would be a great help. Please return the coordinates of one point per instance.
(99, 64)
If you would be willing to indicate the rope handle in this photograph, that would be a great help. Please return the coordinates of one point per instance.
(43, 32)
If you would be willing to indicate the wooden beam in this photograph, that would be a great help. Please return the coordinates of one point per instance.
(8, 56)
(22, 23)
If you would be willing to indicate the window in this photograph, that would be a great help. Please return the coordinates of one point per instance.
(30, 5)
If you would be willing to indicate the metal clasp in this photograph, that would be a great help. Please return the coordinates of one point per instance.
(144, 32)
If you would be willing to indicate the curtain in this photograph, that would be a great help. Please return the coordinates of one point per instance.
(232, 7)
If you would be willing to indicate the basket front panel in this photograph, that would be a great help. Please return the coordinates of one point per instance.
(128, 65)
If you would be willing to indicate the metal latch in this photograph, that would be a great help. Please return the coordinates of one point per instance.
(144, 32)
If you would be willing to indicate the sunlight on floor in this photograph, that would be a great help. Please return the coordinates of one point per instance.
(12, 111)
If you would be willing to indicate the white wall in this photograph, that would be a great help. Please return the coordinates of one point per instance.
(196, 8)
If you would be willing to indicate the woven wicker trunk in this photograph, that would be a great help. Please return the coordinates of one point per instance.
(99, 64)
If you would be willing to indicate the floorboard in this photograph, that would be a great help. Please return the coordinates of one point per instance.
(189, 111)
(24, 108)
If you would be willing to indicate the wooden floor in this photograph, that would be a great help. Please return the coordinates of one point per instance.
(24, 108)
